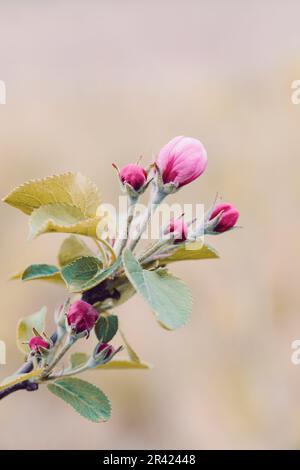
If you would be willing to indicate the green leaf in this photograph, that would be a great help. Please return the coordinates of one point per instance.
(131, 353)
(106, 327)
(79, 274)
(39, 271)
(167, 296)
(25, 326)
(124, 364)
(86, 272)
(71, 249)
(78, 359)
(85, 398)
(191, 251)
(63, 218)
(73, 189)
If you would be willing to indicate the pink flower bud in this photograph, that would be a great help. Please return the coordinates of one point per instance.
(182, 160)
(180, 229)
(82, 316)
(228, 218)
(36, 342)
(134, 175)
(109, 351)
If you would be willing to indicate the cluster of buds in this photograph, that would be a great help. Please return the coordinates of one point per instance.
(178, 163)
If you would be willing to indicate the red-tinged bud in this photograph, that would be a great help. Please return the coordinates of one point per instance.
(36, 342)
(179, 228)
(109, 350)
(134, 175)
(181, 161)
(228, 218)
(82, 316)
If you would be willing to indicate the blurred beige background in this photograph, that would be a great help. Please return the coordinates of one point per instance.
(95, 82)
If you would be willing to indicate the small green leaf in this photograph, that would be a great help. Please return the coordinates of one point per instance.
(124, 364)
(25, 326)
(79, 274)
(106, 327)
(131, 353)
(85, 398)
(167, 296)
(78, 359)
(39, 271)
(86, 272)
(63, 218)
(71, 249)
(191, 251)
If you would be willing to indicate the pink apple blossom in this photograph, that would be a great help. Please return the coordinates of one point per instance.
(182, 160)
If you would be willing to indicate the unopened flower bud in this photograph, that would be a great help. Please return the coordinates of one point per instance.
(82, 317)
(228, 218)
(134, 175)
(36, 342)
(179, 228)
(181, 161)
(109, 350)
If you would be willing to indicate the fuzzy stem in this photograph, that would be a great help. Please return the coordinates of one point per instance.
(109, 249)
(69, 342)
(154, 249)
(157, 197)
(102, 252)
(69, 373)
(121, 242)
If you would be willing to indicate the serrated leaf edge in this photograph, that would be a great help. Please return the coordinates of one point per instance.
(47, 178)
(49, 386)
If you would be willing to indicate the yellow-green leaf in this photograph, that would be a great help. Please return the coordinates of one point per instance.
(131, 353)
(72, 248)
(15, 379)
(25, 325)
(63, 218)
(124, 364)
(191, 251)
(74, 189)
(78, 359)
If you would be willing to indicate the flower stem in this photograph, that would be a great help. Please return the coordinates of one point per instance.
(69, 342)
(122, 240)
(157, 197)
